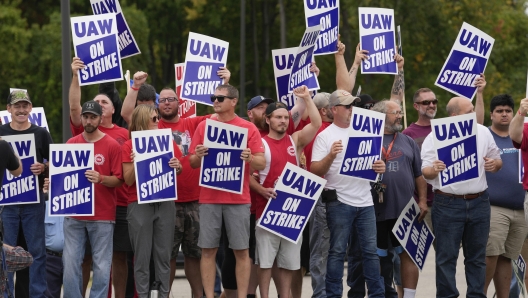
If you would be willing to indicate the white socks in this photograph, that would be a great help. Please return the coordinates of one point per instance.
(409, 293)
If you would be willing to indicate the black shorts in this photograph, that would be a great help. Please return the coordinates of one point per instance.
(252, 238)
(384, 233)
(121, 236)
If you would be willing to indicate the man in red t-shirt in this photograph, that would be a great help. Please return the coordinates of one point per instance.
(107, 175)
(121, 239)
(187, 220)
(220, 206)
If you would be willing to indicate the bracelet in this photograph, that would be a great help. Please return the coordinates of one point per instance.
(251, 160)
(101, 179)
(135, 89)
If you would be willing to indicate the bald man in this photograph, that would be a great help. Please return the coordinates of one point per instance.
(461, 212)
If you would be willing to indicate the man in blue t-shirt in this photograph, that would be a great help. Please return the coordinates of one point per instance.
(508, 228)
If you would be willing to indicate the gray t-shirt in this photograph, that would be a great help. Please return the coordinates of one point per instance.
(403, 165)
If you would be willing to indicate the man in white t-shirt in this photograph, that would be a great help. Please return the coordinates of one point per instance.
(461, 212)
(348, 201)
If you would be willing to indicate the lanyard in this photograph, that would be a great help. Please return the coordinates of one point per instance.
(388, 151)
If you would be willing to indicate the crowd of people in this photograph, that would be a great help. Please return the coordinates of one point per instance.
(351, 221)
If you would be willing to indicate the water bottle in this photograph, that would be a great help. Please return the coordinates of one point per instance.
(154, 289)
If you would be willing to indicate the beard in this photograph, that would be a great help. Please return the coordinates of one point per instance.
(90, 128)
(168, 116)
(393, 128)
(428, 113)
(260, 122)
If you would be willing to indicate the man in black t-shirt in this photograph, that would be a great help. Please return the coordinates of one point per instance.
(9, 161)
(29, 217)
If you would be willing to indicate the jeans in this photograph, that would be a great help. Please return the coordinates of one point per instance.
(355, 279)
(341, 218)
(319, 241)
(101, 239)
(456, 220)
(31, 217)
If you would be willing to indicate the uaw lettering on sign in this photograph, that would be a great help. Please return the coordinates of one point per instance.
(297, 192)
(95, 42)
(222, 168)
(365, 140)
(24, 188)
(203, 58)
(37, 117)
(155, 179)
(455, 142)
(127, 44)
(187, 108)
(70, 191)
(326, 14)
(376, 34)
(300, 70)
(416, 237)
(519, 269)
(466, 61)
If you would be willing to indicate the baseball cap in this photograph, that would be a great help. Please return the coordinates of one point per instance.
(92, 107)
(321, 100)
(365, 99)
(275, 106)
(18, 96)
(255, 101)
(342, 97)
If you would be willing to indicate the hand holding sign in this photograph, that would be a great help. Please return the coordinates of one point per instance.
(379, 166)
(438, 166)
(201, 151)
(340, 48)
(224, 74)
(37, 168)
(267, 193)
(246, 155)
(424, 209)
(314, 69)
(480, 83)
(361, 55)
(399, 60)
(77, 65)
(93, 176)
(175, 164)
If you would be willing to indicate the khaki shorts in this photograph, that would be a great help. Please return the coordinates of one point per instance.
(508, 230)
(187, 230)
(271, 247)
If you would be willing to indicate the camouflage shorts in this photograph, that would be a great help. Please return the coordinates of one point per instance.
(187, 230)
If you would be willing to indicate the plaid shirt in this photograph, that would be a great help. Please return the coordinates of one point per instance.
(16, 259)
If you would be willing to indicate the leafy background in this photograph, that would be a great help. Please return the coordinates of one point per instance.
(30, 35)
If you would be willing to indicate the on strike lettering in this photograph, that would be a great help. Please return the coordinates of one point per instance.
(157, 184)
(307, 187)
(71, 199)
(70, 158)
(284, 219)
(17, 187)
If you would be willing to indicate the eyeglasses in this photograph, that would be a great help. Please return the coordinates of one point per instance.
(155, 118)
(396, 113)
(220, 98)
(348, 107)
(428, 102)
(167, 99)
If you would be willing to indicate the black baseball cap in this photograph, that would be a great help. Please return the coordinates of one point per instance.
(255, 101)
(275, 106)
(365, 99)
(92, 107)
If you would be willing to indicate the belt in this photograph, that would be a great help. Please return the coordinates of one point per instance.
(54, 253)
(470, 196)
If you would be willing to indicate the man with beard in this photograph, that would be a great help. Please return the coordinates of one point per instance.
(280, 148)
(121, 238)
(402, 177)
(29, 217)
(106, 175)
(187, 214)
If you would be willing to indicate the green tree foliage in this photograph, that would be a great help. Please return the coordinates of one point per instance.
(31, 44)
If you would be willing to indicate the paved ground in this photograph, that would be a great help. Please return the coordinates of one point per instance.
(426, 283)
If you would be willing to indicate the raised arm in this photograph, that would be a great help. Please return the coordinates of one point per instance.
(74, 96)
(342, 80)
(480, 83)
(224, 74)
(517, 123)
(130, 100)
(398, 87)
(307, 134)
(360, 56)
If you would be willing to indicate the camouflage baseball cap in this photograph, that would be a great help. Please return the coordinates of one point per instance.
(18, 96)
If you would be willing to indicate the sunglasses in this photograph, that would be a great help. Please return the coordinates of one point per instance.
(348, 107)
(167, 99)
(155, 118)
(428, 102)
(220, 98)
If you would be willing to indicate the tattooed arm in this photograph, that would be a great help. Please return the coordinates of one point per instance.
(398, 88)
(360, 55)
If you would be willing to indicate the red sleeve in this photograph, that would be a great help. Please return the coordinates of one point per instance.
(255, 141)
(117, 169)
(198, 119)
(524, 144)
(177, 152)
(75, 130)
(198, 137)
(126, 149)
